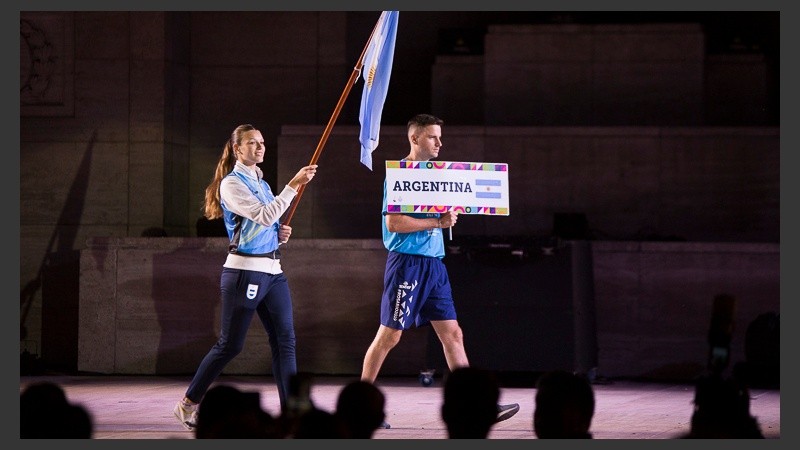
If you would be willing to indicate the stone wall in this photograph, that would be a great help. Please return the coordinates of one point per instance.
(700, 184)
(151, 306)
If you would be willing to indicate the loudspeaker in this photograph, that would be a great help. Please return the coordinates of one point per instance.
(525, 305)
(460, 41)
(571, 226)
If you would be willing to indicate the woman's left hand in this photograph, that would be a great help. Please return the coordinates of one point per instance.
(283, 233)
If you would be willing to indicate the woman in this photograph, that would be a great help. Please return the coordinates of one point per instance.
(252, 280)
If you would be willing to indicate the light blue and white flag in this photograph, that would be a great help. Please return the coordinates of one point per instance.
(377, 70)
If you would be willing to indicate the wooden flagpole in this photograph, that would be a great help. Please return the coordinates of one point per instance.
(324, 138)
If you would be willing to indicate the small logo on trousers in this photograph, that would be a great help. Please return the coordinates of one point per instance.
(252, 290)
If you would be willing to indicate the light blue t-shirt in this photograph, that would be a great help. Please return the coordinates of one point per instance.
(424, 243)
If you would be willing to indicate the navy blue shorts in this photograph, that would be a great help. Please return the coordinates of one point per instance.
(416, 290)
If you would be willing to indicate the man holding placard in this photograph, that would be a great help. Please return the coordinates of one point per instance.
(416, 284)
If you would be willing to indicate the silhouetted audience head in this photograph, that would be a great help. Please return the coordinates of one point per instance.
(564, 406)
(317, 423)
(360, 406)
(469, 408)
(722, 411)
(228, 413)
(45, 413)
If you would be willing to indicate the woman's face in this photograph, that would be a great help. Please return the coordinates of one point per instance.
(250, 150)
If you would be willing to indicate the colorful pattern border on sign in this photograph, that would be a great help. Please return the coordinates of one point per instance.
(441, 209)
(494, 167)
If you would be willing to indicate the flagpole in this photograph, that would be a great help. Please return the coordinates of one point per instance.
(328, 128)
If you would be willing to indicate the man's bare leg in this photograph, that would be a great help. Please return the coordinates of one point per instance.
(385, 340)
(452, 339)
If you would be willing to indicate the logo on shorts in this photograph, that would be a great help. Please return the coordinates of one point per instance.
(401, 304)
(405, 285)
(252, 290)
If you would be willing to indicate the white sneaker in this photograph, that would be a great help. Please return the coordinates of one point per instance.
(186, 414)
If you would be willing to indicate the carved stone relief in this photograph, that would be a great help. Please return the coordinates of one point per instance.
(46, 61)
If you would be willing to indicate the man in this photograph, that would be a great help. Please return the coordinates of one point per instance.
(416, 288)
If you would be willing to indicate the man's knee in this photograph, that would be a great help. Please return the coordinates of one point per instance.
(389, 337)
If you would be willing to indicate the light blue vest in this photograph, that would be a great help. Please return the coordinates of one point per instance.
(248, 237)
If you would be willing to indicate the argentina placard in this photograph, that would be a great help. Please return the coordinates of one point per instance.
(440, 186)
